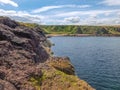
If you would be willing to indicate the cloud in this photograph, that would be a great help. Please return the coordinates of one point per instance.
(118, 14)
(100, 21)
(82, 6)
(89, 17)
(10, 2)
(46, 8)
(72, 19)
(21, 16)
(107, 14)
(111, 2)
(89, 13)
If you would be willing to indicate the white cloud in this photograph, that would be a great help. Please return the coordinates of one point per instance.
(111, 2)
(107, 14)
(10, 2)
(72, 19)
(21, 16)
(46, 8)
(82, 6)
(118, 14)
(100, 21)
(89, 13)
(92, 17)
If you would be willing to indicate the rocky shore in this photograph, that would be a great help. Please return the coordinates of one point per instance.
(26, 62)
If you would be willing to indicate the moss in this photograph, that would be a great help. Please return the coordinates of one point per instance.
(37, 81)
(67, 78)
(54, 79)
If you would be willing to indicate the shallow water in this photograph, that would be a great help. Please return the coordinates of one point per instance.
(96, 59)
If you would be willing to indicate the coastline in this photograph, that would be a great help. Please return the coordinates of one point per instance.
(82, 35)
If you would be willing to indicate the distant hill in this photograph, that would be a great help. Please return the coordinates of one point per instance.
(77, 29)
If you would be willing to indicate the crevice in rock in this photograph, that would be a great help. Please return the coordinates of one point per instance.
(2, 75)
(17, 85)
(2, 37)
(22, 34)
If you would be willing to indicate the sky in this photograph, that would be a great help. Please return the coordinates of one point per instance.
(63, 12)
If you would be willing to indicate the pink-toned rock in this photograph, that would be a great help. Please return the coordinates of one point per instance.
(21, 50)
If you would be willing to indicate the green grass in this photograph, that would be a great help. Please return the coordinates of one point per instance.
(52, 76)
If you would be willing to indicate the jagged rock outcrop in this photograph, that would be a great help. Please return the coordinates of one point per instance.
(7, 21)
(26, 64)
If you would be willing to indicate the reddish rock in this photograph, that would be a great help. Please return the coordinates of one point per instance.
(21, 50)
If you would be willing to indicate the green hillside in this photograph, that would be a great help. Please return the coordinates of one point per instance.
(95, 30)
(75, 29)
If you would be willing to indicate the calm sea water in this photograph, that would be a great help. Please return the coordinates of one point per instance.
(96, 59)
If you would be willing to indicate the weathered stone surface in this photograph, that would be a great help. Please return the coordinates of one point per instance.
(6, 21)
(21, 49)
(4, 85)
(63, 64)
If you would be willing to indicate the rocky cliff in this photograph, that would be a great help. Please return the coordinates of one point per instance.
(26, 63)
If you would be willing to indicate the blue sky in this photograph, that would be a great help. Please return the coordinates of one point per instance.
(63, 12)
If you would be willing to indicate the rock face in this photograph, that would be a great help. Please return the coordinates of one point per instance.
(26, 64)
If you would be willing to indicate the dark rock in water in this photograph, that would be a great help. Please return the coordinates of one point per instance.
(26, 64)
